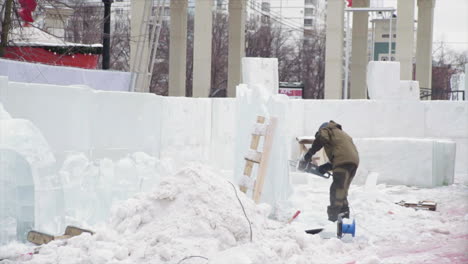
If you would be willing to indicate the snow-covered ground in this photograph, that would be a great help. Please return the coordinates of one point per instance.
(194, 216)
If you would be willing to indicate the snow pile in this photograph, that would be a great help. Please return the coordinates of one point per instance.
(194, 217)
(91, 186)
(193, 213)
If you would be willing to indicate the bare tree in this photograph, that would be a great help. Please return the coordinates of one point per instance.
(445, 63)
(313, 64)
(219, 54)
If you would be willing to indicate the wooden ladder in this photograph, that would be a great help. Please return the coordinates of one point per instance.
(260, 158)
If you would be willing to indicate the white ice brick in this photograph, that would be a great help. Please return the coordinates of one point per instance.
(461, 165)
(60, 112)
(409, 90)
(222, 132)
(186, 128)
(248, 106)
(261, 72)
(407, 161)
(126, 121)
(383, 80)
(443, 162)
(295, 123)
(446, 119)
(395, 119)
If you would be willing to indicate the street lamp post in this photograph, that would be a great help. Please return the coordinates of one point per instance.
(106, 36)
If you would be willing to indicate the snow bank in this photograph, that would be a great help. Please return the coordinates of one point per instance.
(192, 213)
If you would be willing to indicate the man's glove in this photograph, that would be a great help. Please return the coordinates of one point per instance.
(302, 164)
(308, 156)
(325, 168)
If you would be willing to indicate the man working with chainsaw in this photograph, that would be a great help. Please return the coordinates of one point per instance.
(344, 161)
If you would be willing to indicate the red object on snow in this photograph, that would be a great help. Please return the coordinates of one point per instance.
(350, 3)
(27, 7)
(42, 55)
(294, 216)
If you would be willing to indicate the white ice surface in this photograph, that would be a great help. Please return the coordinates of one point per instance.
(222, 132)
(61, 114)
(4, 114)
(135, 126)
(186, 129)
(407, 161)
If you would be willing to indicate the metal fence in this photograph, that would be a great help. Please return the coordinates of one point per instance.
(438, 94)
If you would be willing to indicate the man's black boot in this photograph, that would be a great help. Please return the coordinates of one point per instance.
(333, 212)
(345, 211)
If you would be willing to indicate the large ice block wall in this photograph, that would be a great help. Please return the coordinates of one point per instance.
(113, 124)
(108, 127)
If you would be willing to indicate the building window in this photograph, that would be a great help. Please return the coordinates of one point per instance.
(310, 2)
(388, 35)
(119, 11)
(265, 7)
(308, 22)
(308, 12)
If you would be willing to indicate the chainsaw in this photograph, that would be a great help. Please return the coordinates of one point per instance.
(310, 168)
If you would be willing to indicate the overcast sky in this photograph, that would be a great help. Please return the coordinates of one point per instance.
(450, 21)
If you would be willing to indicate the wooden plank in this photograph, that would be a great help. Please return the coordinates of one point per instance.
(248, 172)
(254, 156)
(256, 138)
(253, 145)
(262, 170)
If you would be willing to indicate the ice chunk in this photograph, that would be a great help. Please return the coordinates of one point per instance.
(383, 80)
(16, 197)
(407, 161)
(261, 72)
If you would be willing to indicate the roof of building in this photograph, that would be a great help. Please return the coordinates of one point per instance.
(33, 36)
